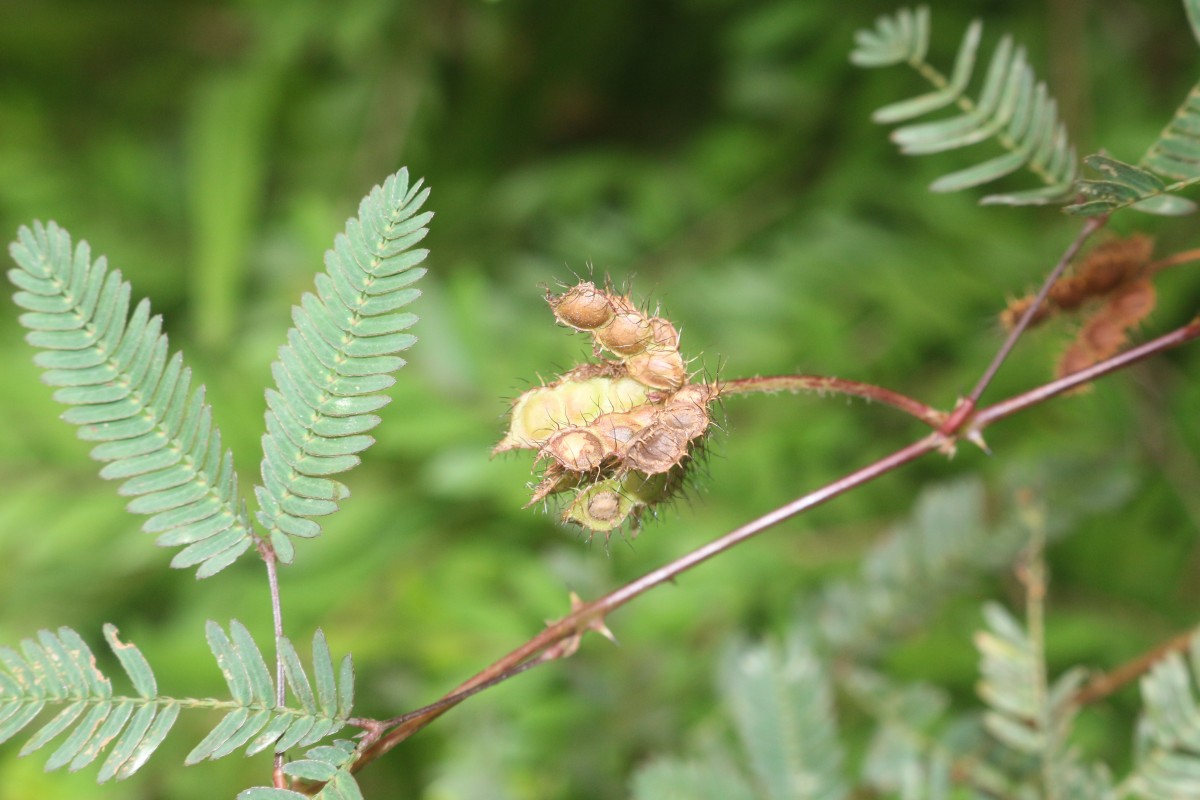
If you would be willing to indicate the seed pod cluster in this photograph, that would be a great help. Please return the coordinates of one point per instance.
(619, 434)
(647, 346)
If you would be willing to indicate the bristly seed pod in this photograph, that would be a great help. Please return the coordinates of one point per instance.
(600, 507)
(576, 449)
(657, 369)
(618, 433)
(584, 307)
(626, 335)
(663, 335)
(656, 449)
(566, 403)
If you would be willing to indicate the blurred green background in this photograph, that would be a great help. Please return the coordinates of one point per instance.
(716, 155)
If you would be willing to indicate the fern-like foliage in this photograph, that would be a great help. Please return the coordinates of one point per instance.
(782, 706)
(329, 764)
(255, 719)
(58, 670)
(935, 554)
(1125, 185)
(1013, 109)
(1167, 764)
(1028, 714)
(338, 360)
(112, 366)
(1171, 164)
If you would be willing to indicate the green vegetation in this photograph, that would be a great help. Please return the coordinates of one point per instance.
(720, 159)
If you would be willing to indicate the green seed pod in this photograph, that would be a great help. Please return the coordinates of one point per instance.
(583, 307)
(567, 403)
(650, 490)
(601, 507)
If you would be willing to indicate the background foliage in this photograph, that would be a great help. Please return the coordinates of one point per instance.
(717, 154)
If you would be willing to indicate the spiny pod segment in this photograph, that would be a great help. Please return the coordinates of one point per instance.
(619, 435)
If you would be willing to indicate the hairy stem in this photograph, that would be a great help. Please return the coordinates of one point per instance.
(822, 385)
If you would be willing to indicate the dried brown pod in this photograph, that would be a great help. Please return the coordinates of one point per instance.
(1102, 270)
(575, 449)
(657, 369)
(1105, 269)
(626, 334)
(583, 307)
(1106, 331)
(687, 411)
(663, 335)
(656, 449)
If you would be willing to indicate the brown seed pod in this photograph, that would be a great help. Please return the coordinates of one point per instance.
(583, 307)
(663, 335)
(576, 449)
(1106, 331)
(626, 334)
(656, 449)
(657, 369)
(1106, 269)
(687, 411)
(615, 431)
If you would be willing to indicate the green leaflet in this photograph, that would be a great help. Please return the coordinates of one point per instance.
(1168, 739)
(328, 764)
(152, 427)
(338, 359)
(1012, 109)
(57, 670)
(782, 707)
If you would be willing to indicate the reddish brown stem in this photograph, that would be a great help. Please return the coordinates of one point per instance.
(588, 614)
(1174, 260)
(573, 624)
(1012, 405)
(966, 407)
(1103, 685)
(822, 385)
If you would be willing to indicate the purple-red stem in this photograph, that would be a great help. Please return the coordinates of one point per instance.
(823, 384)
(589, 614)
(966, 407)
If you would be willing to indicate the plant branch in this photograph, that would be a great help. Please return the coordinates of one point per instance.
(592, 615)
(268, 555)
(1106, 683)
(1012, 405)
(822, 385)
(967, 406)
(1174, 260)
